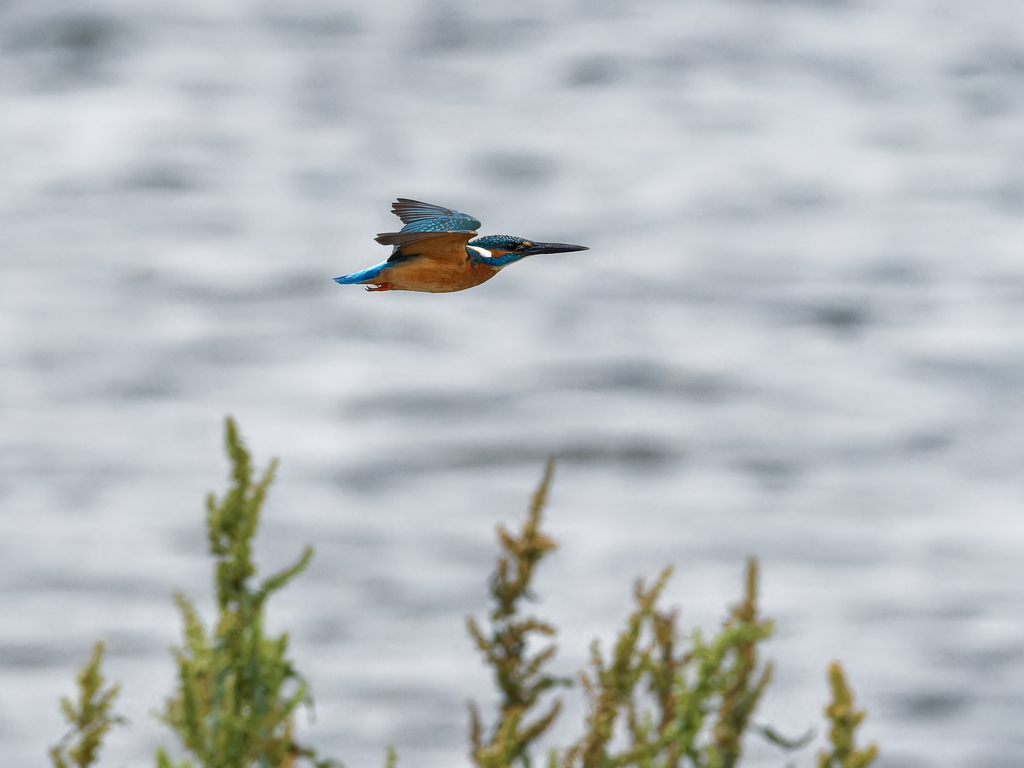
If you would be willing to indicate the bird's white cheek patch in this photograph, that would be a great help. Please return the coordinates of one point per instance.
(482, 251)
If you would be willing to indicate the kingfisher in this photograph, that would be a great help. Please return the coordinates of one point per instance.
(435, 252)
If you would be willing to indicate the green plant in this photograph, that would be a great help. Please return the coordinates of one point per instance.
(518, 675)
(659, 699)
(844, 719)
(90, 719)
(237, 690)
(666, 695)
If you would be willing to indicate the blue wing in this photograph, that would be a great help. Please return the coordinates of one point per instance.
(445, 231)
(425, 217)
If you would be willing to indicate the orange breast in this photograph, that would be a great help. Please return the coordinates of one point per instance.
(428, 275)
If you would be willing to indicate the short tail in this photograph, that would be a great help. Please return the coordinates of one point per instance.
(361, 277)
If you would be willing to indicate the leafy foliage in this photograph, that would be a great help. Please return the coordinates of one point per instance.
(237, 690)
(666, 696)
(90, 719)
(659, 700)
(518, 674)
(844, 719)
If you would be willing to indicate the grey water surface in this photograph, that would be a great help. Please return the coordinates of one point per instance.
(798, 334)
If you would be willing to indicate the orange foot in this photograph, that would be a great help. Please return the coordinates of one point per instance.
(381, 287)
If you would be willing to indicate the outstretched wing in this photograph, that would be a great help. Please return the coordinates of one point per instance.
(425, 217)
(440, 246)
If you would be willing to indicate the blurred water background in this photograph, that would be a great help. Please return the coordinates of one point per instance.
(799, 334)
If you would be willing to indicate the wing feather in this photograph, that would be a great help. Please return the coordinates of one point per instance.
(427, 217)
(440, 246)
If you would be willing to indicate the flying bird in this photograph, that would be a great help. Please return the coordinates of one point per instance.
(435, 252)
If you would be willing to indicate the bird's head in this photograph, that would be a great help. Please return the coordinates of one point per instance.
(519, 248)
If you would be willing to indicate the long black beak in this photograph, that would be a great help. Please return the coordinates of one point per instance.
(536, 248)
